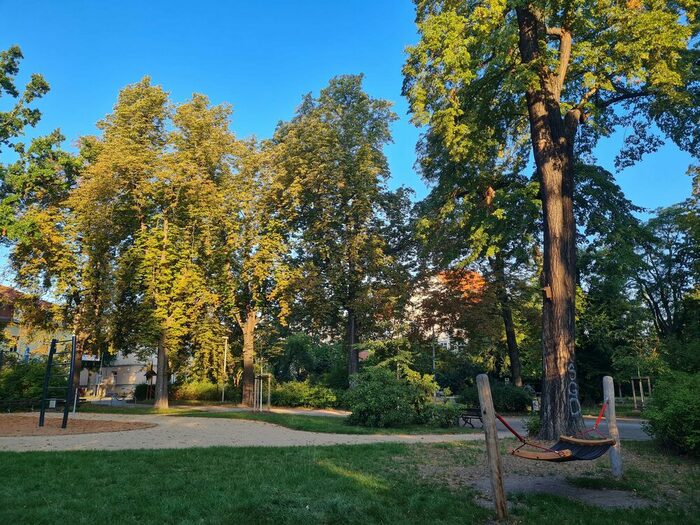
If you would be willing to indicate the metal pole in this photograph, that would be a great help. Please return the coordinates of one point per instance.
(269, 392)
(641, 391)
(494, 457)
(223, 386)
(47, 376)
(75, 400)
(634, 395)
(615, 456)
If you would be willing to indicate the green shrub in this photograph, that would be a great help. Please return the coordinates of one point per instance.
(25, 380)
(532, 424)
(303, 394)
(381, 399)
(201, 391)
(444, 415)
(673, 413)
(506, 397)
(140, 392)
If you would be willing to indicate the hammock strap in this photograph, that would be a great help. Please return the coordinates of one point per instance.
(597, 421)
(520, 438)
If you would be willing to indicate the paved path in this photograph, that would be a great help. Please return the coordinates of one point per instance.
(630, 429)
(187, 432)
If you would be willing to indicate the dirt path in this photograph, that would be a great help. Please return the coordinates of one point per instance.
(186, 432)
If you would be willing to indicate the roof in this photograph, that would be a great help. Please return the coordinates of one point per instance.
(8, 298)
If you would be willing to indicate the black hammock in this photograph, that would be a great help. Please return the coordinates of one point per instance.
(568, 448)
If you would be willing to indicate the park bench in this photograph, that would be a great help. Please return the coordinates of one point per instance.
(469, 415)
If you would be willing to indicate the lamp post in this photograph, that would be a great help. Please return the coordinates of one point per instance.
(223, 384)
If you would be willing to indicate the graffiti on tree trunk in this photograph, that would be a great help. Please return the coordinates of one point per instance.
(574, 403)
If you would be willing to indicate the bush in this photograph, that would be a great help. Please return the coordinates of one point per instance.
(506, 397)
(140, 392)
(532, 424)
(444, 415)
(200, 391)
(26, 380)
(303, 394)
(381, 399)
(673, 413)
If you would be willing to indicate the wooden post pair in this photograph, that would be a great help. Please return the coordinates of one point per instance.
(488, 415)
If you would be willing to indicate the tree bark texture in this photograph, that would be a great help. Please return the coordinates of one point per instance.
(162, 374)
(552, 142)
(507, 315)
(351, 343)
(248, 327)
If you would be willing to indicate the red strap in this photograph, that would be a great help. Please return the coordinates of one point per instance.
(521, 438)
(512, 430)
(600, 416)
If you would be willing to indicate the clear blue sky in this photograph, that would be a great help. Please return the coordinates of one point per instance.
(259, 56)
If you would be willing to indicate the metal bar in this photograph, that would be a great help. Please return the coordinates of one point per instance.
(47, 376)
(69, 388)
(512, 430)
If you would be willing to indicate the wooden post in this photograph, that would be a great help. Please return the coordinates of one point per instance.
(615, 455)
(488, 415)
(634, 395)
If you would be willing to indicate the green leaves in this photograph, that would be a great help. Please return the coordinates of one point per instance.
(466, 81)
(348, 230)
(14, 121)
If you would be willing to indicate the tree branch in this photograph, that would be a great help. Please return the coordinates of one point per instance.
(620, 98)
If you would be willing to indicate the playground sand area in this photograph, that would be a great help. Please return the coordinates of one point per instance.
(16, 425)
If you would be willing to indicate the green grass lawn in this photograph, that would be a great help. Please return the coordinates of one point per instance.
(325, 424)
(341, 484)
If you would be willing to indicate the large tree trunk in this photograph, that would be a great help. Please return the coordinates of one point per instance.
(508, 325)
(162, 374)
(248, 327)
(78, 365)
(351, 343)
(552, 143)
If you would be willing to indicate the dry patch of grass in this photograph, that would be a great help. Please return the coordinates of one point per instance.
(661, 478)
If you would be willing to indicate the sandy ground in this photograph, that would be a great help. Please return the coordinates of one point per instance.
(558, 486)
(14, 425)
(186, 432)
(524, 476)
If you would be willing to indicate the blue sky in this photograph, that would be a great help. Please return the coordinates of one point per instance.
(259, 56)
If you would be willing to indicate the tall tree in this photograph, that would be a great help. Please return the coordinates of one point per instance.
(334, 176)
(249, 264)
(667, 275)
(21, 115)
(488, 219)
(489, 75)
